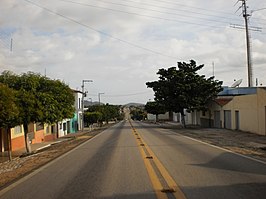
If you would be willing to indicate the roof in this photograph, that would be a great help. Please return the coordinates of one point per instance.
(228, 91)
(222, 100)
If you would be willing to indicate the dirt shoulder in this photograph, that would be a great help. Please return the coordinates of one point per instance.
(21, 166)
(244, 143)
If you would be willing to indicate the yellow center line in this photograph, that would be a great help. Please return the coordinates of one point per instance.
(157, 185)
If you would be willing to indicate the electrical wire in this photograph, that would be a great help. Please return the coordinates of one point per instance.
(157, 11)
(189, 11)
(183, 5)
(143, 15)
(160, 18)
(101, 32)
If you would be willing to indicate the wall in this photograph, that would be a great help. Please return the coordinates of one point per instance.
(251, 108)
(152, 117)
(17, 137)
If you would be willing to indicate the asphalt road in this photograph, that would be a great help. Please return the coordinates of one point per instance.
(140, 160)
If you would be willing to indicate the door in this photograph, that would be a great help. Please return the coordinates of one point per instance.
(237, 119)
(227, 120)
(217, 119)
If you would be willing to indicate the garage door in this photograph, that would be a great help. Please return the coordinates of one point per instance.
(227, 120)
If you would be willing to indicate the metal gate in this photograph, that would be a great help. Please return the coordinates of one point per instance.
(227, 120)
(237, 119)
(217, 119)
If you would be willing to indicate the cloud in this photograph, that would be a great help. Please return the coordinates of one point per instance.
(121, 47)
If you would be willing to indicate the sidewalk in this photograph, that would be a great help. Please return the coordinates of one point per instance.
(39, 146)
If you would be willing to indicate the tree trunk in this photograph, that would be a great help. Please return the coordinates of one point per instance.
(27, 141)
(183, 118)
(9, 144)
(157, 118)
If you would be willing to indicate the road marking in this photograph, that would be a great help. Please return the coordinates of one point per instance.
(148, 157)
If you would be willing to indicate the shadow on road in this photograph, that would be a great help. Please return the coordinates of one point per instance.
(227, 161)
(236, 191)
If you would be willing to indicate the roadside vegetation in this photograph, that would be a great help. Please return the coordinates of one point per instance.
(102, 114)
(183, 88)
(138, 113)
(30, 97)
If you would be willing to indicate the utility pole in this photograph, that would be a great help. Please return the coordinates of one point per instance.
(249, 63)
(82, 101)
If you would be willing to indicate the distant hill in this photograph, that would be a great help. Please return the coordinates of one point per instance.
(89, 103)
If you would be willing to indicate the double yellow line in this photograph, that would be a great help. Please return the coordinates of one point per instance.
(163, 184)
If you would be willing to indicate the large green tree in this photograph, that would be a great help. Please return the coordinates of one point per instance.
(155, 108)
(138, 114)
(40, 99)
(9, 112)
(108, 111)
(92, 117)
(184, 88)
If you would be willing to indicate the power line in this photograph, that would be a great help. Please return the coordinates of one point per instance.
(162, 12)
(194, 7)
(149, 16)
(153, 17)
(100, 32)
(184, 10)
(197, 8)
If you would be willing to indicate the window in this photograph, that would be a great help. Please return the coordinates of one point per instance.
(64, 127)
(17, 130)
(39, 126)
(79, 104)
(54, 129)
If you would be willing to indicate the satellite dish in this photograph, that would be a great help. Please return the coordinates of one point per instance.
(236, 83)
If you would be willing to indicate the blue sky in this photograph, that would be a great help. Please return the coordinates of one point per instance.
(121, 44)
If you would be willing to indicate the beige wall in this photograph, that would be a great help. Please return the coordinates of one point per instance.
(247, 107)
(252, 111)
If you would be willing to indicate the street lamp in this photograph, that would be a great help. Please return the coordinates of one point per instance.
(83, 95)
(99, 96)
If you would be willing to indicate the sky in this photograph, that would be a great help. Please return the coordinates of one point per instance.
(121, 44)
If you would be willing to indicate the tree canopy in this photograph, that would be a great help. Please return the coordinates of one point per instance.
(39, 99)
(108, 112)
(9, 112)
(138, 114)
(92, 117)
(184, 88)
(155, 108)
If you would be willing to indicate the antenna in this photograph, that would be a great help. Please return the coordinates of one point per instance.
(236, 83)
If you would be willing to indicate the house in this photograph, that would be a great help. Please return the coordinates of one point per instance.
(37, 133)
(74, 124)
(78, 110)
(242, 108)
(43, 132)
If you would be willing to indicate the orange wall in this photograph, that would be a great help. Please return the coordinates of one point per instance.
(39, 137)
(50, 137)
(18, 143)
